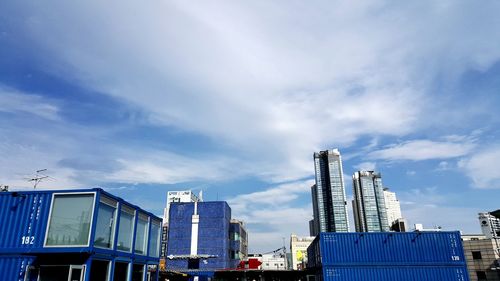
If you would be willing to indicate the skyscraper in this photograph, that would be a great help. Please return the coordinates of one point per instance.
(392, 206)
(370, 214)
(329, 200)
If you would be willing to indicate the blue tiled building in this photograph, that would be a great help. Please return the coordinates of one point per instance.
(201, 237)
(83, 235)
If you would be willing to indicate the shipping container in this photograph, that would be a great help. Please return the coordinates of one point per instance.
(380, 248)
(388, 256)
(395, 273)
(16, 268)
(73, 231)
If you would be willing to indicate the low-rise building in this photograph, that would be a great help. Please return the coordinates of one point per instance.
(82, 235)
(482, 255)
(298, 249)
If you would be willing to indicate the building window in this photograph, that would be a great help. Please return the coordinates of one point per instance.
(70, 219)
(121, 271)
(105, 226)
(481, 275)
(138, 272)
(154, 240)
(476, 255)
(127, 217)
(141, 238)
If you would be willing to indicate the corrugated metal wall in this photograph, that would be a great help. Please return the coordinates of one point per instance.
(389, 256)
(406, 273)
(23, 220)
(13, 268)
(433, 248)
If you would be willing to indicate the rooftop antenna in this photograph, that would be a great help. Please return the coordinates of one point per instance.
(38, 177)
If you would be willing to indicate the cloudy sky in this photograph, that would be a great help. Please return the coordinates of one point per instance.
(233, 98)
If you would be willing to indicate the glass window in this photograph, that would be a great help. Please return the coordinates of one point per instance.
(127, 217)
(154, 240)
(476, 255)
(141, 237)
(70, 220)
(99, 270)
(121, 271)
(138, 272)
(105, 227)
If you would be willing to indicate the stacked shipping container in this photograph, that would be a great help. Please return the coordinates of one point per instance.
(388, 256)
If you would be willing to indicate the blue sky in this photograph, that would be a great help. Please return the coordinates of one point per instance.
(233, 98)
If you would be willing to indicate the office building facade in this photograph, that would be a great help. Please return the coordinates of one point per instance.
(392, 206)
(298, 249)
(329, 199)
(199, 237)
(370, 213)
(490, 224)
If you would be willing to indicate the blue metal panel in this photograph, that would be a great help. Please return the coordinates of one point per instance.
(382, 248)
(406, 273)
(24, 217)
(23, 220)
(13, 268)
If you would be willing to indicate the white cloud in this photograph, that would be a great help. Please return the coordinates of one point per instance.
(12, 101)
(482, 168)
(366, 166)
(274, 213)
(417, 150)
(275, 92)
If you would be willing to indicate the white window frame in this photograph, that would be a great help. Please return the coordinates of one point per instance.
(50, 220)
(158, 239)
(133, 229)
(82, 275)
(114, 220)
(146, 234)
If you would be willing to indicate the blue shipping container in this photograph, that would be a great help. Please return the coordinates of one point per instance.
(15, 268)
(406, 273)
(388, 256)
(382, 248)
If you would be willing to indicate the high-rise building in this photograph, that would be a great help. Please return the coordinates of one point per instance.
(370, 214)
(329, 200)
(392, 206)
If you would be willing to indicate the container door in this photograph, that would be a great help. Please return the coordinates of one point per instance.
(76, 273)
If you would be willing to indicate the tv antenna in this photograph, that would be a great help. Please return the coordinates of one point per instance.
(39, 177)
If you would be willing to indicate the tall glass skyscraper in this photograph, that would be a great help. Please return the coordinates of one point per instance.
(328, 194)
(370, 213)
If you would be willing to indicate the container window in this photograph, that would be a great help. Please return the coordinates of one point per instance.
(141, 238)
(138, 272)
(105, 227)
(154, 240)
(54, 273)
(121, 271)
(476, 255)
(127, 217)
(99, 270)
(70, 220)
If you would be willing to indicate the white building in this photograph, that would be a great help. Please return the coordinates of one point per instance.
(185, 196)
(298, 248)
(392, 206)
(273, 262)
(490, 224)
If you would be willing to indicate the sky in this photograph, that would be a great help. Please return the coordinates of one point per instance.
(232, 98)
